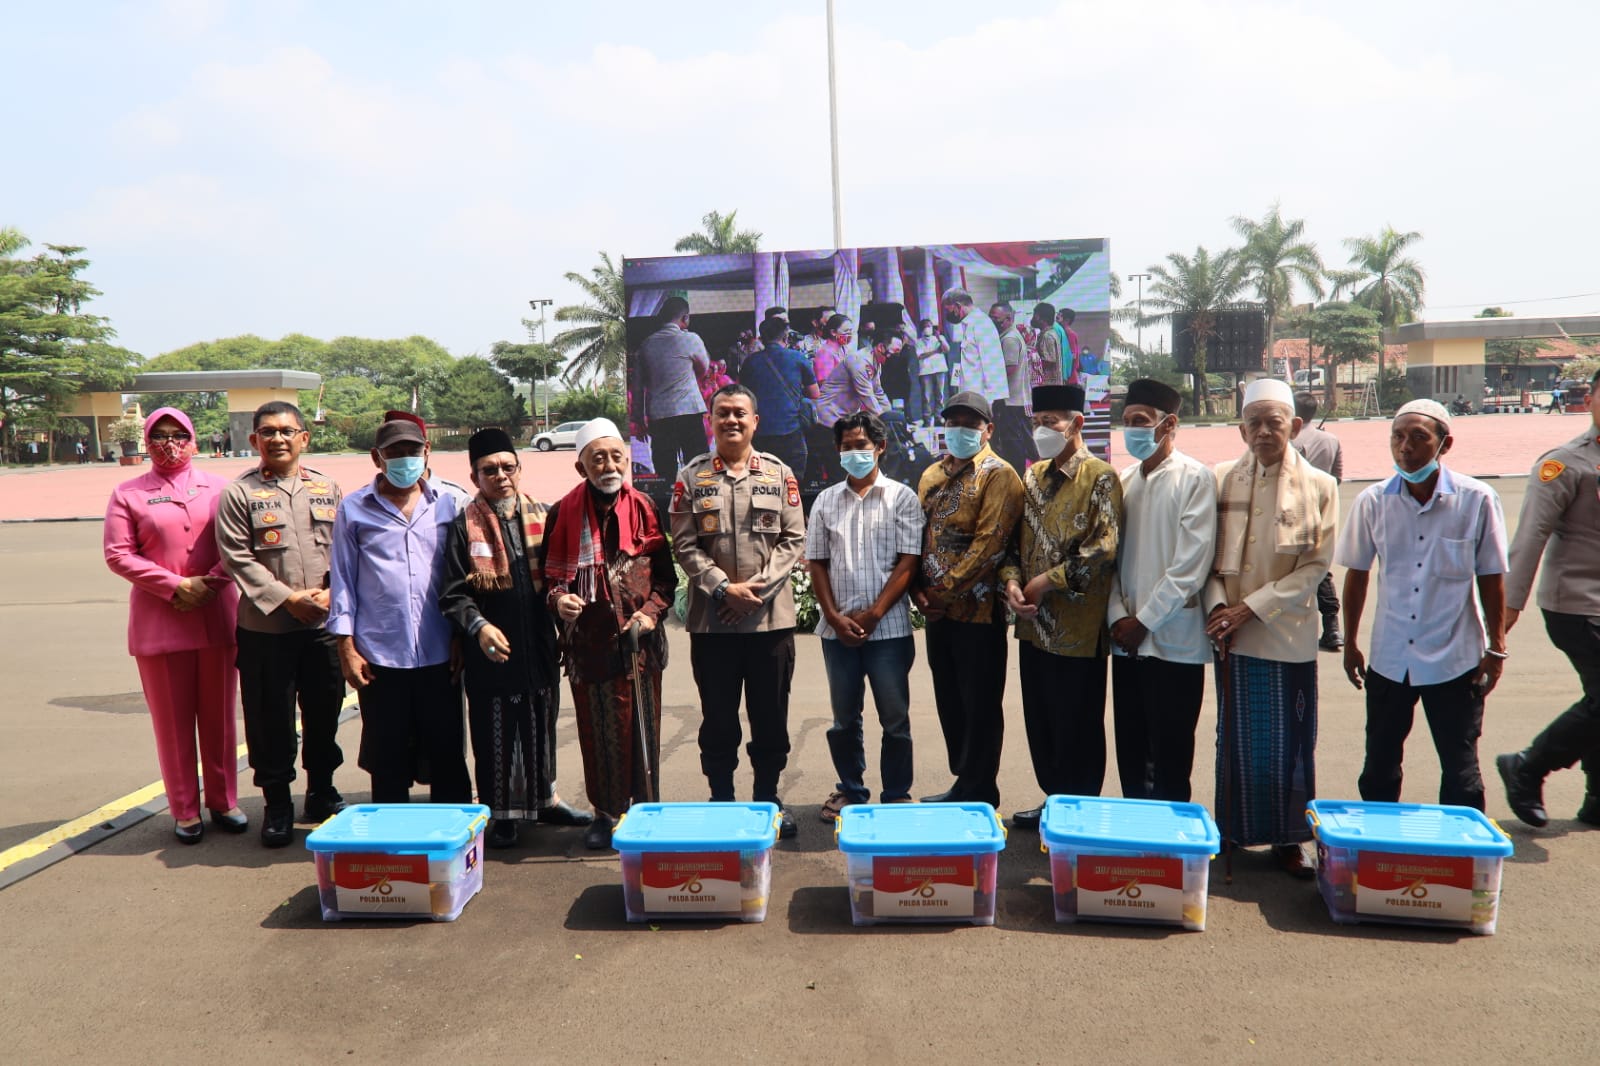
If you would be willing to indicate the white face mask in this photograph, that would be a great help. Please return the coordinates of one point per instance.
(1049, 442)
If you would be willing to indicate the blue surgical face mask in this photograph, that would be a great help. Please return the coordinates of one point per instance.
(1417, 477)
(404, 471)
(1140, 441)
(963, 443)
(858, 463)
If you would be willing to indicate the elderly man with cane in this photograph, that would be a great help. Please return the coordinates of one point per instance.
(611, 579)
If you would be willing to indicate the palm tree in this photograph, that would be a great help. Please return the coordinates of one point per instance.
(720, 237)
(598, 344)
(1275, 258)
(1384, 280)
(1193, 290)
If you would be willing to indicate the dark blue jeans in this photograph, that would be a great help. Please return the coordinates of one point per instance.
(886, 666)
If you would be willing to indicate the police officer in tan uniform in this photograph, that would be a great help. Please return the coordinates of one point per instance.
(738, 530)
(274, 527)
(1561, 523)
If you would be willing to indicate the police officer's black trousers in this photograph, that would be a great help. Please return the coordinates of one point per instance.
(1575, 734)
(759, 668)
(968, 663)
(1454, 710)
(274, 670)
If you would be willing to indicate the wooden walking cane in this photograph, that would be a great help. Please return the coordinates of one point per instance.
(641, 719)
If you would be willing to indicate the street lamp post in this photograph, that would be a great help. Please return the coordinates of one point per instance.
(544, 380)
(833, 136)
(1139, 325)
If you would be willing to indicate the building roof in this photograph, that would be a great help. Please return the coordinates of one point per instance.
(1494, 329)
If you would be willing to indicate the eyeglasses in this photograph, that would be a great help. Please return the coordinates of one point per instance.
(163, 438)
(493, 470)
(274, 432)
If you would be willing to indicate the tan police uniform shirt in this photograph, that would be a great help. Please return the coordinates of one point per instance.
(738, 528)
(276, 536)
(1560, 522)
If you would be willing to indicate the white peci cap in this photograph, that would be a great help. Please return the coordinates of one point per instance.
(1270, 389)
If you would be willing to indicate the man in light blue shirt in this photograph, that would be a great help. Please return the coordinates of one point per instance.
(1438, 534)
(386, 574)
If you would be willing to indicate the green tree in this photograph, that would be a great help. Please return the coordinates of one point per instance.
(1384, 279)
(1511, 351)
(591, 402)
(1276, 257)
(1188, 292)
(1347, 334)
(533, 363)
(598, 342)
(49, 346)
(474, 394)
(719, 235)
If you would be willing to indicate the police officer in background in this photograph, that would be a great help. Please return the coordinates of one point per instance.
(1561, 523)
(274, 529)
(737, 531)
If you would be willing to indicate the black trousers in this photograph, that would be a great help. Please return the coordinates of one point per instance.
(968, 664)
(1155, 706)
(674, 441)
(1064, 711)
(1327, 598)
(1455, 718)
(1575, 734)
(411, 719)
(757, 667)
(276, 669)
(1013, 435)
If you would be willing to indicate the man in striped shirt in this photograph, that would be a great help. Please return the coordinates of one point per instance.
(864, 542)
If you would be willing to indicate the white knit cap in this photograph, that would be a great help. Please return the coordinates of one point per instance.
(1269, 389)
(1432, 408)
(596, 428)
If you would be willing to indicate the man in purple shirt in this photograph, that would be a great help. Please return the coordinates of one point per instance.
(394, 643)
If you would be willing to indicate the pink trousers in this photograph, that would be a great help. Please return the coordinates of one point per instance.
(194, 693)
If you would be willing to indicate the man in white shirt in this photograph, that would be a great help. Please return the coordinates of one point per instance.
(1437, 533)
(1158, 629)
(864, 542)
(672, 362)
(1013, 424)
(978, 359)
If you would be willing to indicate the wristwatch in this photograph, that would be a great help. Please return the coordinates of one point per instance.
(720, 593)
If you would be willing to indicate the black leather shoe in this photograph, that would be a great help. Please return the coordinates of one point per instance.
(190, 834)
(1332, 638)
(1291, 859)
(947, 796)
(1524, 795)
(1028, 820)
(277, 827)
(502, 834)
(1589, 813)
(230, 823)
(787, 829)
(559, 813)
(322, 805)
(598, 836)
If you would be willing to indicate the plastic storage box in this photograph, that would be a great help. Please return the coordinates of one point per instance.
(697, 860)
(1123, 860)
(1413, 863)
(921, 862)
(399, 860)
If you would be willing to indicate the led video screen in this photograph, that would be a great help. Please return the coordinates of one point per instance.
(898, 331)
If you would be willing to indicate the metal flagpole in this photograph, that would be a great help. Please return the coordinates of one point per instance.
(833, 135)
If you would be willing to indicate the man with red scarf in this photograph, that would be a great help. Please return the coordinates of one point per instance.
(609, 573)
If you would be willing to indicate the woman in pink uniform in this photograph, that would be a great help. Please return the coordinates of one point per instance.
(160, 535)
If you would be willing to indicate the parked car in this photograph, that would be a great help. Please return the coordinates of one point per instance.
(1308, 379)
(563, 436)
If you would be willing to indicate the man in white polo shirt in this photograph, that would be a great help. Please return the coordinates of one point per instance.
(1438, 534)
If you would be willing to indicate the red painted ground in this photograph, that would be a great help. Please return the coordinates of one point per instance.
(1485, 445)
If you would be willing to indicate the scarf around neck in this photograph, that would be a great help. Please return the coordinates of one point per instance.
(1294, 529)
(576, 555)
(486, 549)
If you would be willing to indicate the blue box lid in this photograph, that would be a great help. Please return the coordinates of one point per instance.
(697, 827)
(1413, 828)
(1129, 825)
(400, 827)
(919, 829)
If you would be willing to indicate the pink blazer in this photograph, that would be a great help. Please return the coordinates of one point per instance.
(158, 532)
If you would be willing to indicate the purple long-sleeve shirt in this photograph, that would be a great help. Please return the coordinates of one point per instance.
(386, 576)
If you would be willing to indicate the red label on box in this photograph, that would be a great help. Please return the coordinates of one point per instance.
(377, 871)
(901, 873)
(1434, 887)
(1124, 875)
(684, 870)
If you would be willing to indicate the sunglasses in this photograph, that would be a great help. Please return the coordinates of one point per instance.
(163, 438)
(493, 470)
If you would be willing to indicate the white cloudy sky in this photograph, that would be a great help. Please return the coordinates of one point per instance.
(388, 168)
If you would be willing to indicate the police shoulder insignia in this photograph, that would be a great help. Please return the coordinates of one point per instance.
(1551, 469)
(794, 492)
(677, 493)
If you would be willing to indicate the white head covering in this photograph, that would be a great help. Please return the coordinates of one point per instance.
(1432, 408)
(596, 428)
(1269, 389)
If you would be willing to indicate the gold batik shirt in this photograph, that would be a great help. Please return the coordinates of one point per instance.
(971, 514)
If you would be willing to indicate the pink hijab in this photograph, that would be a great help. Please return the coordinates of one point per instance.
(169, 457)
